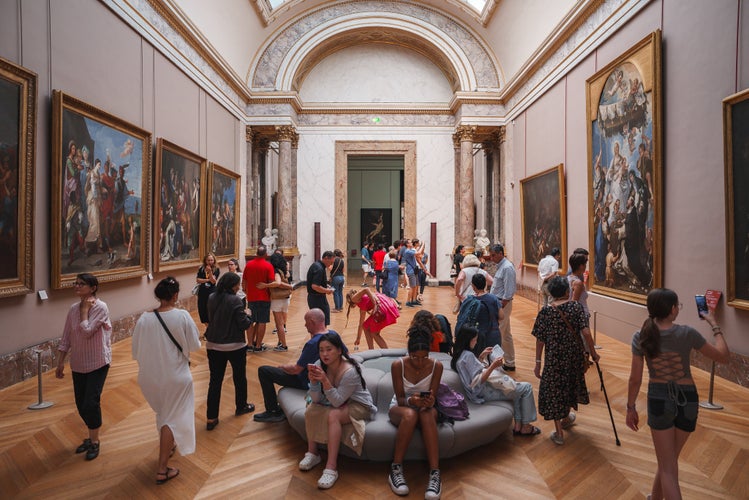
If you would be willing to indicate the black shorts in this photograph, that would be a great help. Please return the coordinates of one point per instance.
(672, 405)
(260, 310)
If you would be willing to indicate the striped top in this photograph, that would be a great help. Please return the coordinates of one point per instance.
(88, 342)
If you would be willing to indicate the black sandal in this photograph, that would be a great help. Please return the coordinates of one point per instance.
(166, 475)
(535, 431)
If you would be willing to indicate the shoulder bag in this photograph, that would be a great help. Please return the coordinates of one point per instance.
(578, 336)
(277, 293)
(171, 337)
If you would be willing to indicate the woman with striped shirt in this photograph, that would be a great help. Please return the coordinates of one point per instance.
(87, 337)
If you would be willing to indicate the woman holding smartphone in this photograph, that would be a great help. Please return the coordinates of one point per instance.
(341, 404)
(672, 395)
(415, 381)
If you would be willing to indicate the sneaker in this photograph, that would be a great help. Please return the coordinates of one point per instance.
(281, 348)
(270, 416)
(93, 451)
(397, 481)
(556, 438)
(262, 348)
(85, 445)
(328, 479)
(569, 421)
(434, 488)
(410, 304)
(309, 461)
(248, 408)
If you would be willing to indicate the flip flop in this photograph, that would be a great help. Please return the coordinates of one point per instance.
(535, 431)
(166, 475)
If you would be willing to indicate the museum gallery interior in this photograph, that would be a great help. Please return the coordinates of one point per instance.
(138, 136)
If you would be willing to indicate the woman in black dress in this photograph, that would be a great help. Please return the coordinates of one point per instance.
(207, 277)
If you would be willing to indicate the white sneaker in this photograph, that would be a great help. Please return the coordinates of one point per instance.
(328, 479)
(569, 421)
(309, 461)
(434, 488)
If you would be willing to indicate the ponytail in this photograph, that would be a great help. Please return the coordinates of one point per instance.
(661, 302)
(650, 338)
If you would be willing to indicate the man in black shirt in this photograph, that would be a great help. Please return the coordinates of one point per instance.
(317, 284)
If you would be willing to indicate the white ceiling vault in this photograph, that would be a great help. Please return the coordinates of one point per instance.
(503, 52)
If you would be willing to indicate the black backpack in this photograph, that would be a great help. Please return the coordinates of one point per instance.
(469, 313)
(447, 345)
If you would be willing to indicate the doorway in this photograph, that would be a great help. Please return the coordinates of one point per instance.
(375, 203)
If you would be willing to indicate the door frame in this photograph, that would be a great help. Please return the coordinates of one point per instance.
(374, 148)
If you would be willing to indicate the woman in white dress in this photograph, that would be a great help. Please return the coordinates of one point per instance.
(163, 362)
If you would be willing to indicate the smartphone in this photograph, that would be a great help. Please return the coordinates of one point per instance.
(425, 394)
(701, 305)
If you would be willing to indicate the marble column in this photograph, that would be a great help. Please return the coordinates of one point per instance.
(467, 222)
(495, 201)
(456, 194)
(503, 177)
(249, 189)
(294, 200)
(259, 150)
(285, 135)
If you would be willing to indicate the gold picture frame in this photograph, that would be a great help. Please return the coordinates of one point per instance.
(223, 220)
(101, 192)
(17, 148)
(736, 161)
(179, 208)
(623, 102)
(543, 215)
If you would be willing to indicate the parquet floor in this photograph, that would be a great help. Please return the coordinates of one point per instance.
(244, 459)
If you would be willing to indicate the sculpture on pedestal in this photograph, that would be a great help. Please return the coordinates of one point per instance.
(482, 242)
(270, 238)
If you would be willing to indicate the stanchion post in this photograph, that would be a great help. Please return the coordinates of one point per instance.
(41, 404)
(709, 405)
(595, 330)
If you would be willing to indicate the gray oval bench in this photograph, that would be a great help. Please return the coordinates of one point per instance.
(485, 423)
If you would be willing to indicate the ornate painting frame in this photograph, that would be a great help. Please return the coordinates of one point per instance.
(223, 229)
(623, 102)
(543, 215)
(736, 161)
(17, 147)
(101, 219)
(181, 179)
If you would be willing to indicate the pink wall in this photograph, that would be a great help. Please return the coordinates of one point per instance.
(89, 53)
(700, 56)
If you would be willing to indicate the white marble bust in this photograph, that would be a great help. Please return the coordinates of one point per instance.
(269, 240)
(482, 242)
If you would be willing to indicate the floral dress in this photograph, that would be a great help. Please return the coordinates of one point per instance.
(563, 378)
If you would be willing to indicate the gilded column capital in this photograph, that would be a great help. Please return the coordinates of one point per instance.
(501, 134)
(466, 132)
(456, 141)
(285, 132)
(260, 143)
(249, 134)
(295, 141)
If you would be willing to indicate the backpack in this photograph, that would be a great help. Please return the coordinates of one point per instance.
(451, 405)
(469, 313)
(447, 344)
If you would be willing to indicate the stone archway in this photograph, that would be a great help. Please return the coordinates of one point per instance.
(373, 148)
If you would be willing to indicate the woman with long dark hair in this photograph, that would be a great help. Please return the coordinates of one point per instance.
(337, 279)
(341, 405)
(475, 370)
(162, 341)
(87, 337)
(206, 279)
(280, 297)
(672, 395)
(226, 343)
(416, 378)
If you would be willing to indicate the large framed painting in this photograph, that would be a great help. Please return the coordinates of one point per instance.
(223, 228)
(543, 215)
(181, 178)
(101, 187)
(736, 140)
(624, 173)
(377, 226)
(17, 146)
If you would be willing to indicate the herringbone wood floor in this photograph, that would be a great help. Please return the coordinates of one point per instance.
(244, 459)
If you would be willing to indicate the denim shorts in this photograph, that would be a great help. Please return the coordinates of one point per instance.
(672, 405)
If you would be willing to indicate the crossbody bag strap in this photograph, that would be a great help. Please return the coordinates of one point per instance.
(166, 329)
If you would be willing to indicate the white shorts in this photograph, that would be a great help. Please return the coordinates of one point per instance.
(280, 305)
(366, 268)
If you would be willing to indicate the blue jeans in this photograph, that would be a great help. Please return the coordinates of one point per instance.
(522, 398)
(338, 291)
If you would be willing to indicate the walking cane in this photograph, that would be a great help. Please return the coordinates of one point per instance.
(603, 388)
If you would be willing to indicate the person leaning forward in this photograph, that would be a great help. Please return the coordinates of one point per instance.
(291, 374)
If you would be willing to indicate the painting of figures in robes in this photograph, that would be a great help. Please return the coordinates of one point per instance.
(543, 217)
(223, 232)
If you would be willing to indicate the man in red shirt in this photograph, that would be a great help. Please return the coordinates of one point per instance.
(378, 258)
(258, 271)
